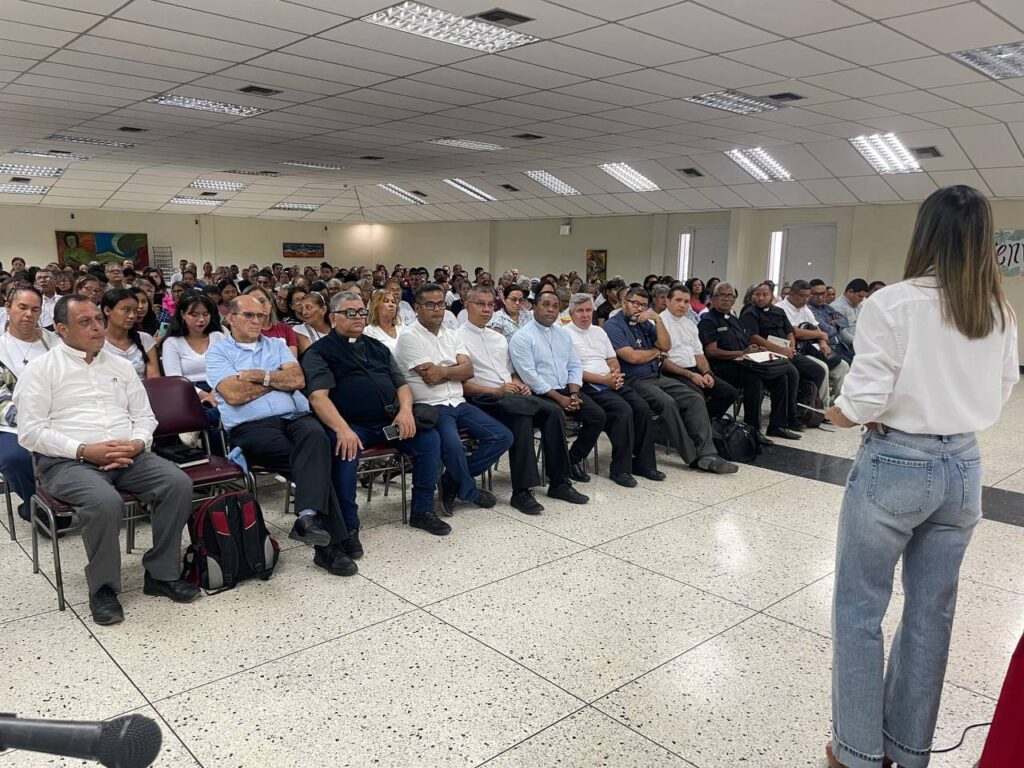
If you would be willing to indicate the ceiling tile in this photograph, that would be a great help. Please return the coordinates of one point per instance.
(572, 60)
(850, 109)
(840, 158)
(712, 31)
(957, 27)
(911, 186)
(161, 16)
(884, 9)
(31, 34)
(978, 94)
(141, 36)
(911, 102)
(858, 83)
(630, 45)
(393, 41)
(517, 72)
(722, 72)
(790, 18)
(829, 191)
(1005, 182)
(969, 177)
(270, 13)
(951, 118)
(790, 59)
(931, 72)
(318, 48)
(610, 93)
(989, 146)
(867, 44)
(661, 83)
(870, 189)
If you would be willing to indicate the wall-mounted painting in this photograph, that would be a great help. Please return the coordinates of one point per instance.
(304, 251)
(1010, 252)
(77, 248)
(597, 266)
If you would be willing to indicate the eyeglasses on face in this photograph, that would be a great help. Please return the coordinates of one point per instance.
(250, 316)
(351, 314)
(637, 303)
(432, 305)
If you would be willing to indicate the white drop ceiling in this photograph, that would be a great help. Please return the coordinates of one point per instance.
(604, 84)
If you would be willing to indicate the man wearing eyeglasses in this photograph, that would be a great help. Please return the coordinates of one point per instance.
(258, 385)
(45, 283)
(435, 364)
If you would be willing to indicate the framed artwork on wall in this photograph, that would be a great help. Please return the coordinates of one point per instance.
(597, 266)
(1010, 252)
(303, 250)
(77, 248)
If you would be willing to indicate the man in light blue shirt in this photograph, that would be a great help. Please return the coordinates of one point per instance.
(258, 387)
(545, 358)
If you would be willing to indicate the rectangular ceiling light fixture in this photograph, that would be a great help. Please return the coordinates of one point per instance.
(734, 101)
(315, 166)
(997, 61)
(630, 176)
(22, 189)
(86, 140)
(886, 153)
(480, 146)
(51, 154)
(179, 200)
(219, 186)
(759, 164)
(295, 207)
(31, 171)
(553, 183)
(187, 102)
(399, 192)
(475, 192)
(446, 27)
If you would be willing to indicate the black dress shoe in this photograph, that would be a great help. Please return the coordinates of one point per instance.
(429, 522)
(653, 474)
(526, 502)
(624, 479)
(352, 546)
(105, 607)
(335, 561)
(308, 530)
(578, 472)
(446, 492)
(782, 432)
(179, 590)
(485, 499)
(797, 426)
(716, 465)
(566, 492)
(762, 440)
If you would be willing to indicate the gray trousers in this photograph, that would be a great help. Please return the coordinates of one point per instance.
(683, 412)
(94, 494)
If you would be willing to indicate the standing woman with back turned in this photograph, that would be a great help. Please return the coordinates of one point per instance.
(936, 360)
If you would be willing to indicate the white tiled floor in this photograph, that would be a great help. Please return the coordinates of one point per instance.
(680, 624)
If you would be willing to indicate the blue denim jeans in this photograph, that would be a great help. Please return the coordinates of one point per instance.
(917, 497)
(494, 439)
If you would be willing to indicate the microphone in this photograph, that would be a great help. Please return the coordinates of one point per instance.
(131, 741)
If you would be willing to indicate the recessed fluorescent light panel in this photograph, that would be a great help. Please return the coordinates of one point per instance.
(187, 102)
(759, 164)
(195, 201)
(886, 153)
(294, 207)
(553, 183)
(86, 140)
(219, 186)
(31, 171)
(734, 101)
(50, 155)
(22, 189)
(630, 176)
(997, 61)
(399, 192)
(315, 166)
(480, 146)
(475, 192)
(423, 20)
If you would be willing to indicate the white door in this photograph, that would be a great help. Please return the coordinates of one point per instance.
(809, 252)
(709, 252)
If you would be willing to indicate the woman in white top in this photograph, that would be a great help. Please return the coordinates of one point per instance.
(936, 360)
(313, 310)
(194, 329)
(383, 323)
(120, 309)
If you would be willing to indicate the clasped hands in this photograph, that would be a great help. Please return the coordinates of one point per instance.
(112, 454)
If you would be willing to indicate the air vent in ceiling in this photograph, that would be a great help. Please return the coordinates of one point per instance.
(925, 153)
(502, 18)
(418, 193)
(243, 172)
(787, 96)
(20, 179)
(509, 187)
(371, 157)
(692, 172)
(208, 194)
(527, 136)
(132, 129)
(259, 90)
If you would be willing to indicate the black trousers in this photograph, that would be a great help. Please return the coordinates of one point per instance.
(628, 426)
(591, 420)
(719, 398)
(782, 389)
(522, 415)
(298, 448)
(811, 374)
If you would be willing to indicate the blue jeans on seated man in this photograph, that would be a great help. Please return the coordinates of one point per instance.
(16, 467)
(213, 418)
(917, 497)
(493, 437)
(425, 449)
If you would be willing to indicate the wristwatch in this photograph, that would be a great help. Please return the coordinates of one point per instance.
(266, 378)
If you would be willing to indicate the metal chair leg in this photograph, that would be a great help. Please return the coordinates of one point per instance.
(10, 509)
(32, 515)
(369, 487)
(405, 511)
(58, 573)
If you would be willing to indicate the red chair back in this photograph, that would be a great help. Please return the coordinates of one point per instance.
(176, 405)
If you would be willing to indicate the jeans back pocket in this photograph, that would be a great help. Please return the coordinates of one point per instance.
(970, 474)
(900, 487)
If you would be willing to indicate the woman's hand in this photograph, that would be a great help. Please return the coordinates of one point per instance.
(838, 418)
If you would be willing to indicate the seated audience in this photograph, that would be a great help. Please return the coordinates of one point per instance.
(830, 294)
(628, 417)
(296, 295)
(316, 322)
(514, 314)
(659, 298)
(435, 364)
(639, 338)
(500, 393)
(63, 282)
(67, 398)
(830, 321)
(383, 322)
(698, 295)
(726, 341)
(171, 298)
(686, 362)
(545, 358)
(90, 287)
(115, 275)
(44, 281)
(120, 310)
(849, 306)
(815, 340)
(875, 285)
(145, 318)
(610, 294)
(258, 385)
(564, 294)
(228, 293)
(356, 389)
(272, 327)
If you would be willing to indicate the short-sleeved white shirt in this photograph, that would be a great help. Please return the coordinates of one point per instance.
(685, 340)
(417, 345)
(797, 317)
(133, 354)
(593, 347)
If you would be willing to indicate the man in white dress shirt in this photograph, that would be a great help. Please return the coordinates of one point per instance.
(66, 399)
(500, 393)
(805, 328)
(435, 364)
(45, 283)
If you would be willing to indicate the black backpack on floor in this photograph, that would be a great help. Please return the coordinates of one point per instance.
(230, 543)
(735, 440)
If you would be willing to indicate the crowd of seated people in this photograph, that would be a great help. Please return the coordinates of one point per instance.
(304, 369)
